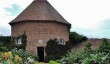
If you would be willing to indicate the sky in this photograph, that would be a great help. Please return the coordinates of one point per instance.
(90, 18)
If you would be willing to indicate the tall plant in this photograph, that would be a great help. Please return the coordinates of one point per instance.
(24, 40)
(55, 51)
(105, 46)
(88, 50)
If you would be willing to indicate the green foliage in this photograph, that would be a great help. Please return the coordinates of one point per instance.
(53, 62)
(21, 52)
(17, 56)
(105, 46)
(79, 57)
(97, 58)
(6, 42)
(2, 48)
(75, 38)
(88, 50)
(23, 38)
(55, 51)
(88, 55)
(36, 58)
(50, 57)
(73, 57)
(36, 62)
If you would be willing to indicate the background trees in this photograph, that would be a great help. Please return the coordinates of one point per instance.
(8, 42)
(76, 38)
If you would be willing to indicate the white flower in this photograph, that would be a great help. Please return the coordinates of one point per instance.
(30, 60)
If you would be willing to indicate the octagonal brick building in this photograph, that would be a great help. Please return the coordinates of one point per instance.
(41, 22)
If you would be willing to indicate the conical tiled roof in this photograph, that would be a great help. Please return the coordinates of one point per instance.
(40, 10)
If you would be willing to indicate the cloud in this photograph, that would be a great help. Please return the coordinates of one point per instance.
(85, 15)
(86, 32)
(14, 10)
(102, 30)
(9, 10)
(5, 28)
(105, 29)
(105, 24)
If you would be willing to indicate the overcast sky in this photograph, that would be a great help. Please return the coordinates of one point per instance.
(88, 17)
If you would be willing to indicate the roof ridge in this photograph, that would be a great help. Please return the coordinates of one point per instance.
(55, 11)
(49, 11)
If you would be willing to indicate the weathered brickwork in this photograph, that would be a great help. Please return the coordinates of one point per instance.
(38, 33)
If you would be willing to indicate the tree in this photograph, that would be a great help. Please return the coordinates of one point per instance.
(75, 38)
(6, 42)
(88, 50)
(24, 40)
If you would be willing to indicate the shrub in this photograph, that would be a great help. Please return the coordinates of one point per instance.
(9, 58)
(55, 51)
(17, 57)
(50, 57)
(105, 46)
(73, 57)
(36, 58)
(22, 53)
(2, 48)
(98, 58)
(88, 55)
(88, 50)
(6, 42)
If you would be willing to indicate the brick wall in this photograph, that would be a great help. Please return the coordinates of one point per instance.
(95, 44)
(40, 32)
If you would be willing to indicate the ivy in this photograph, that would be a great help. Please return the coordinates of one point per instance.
(23, 38)
(76, 38)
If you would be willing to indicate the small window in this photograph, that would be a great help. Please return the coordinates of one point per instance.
(18, 41)
(61, 41)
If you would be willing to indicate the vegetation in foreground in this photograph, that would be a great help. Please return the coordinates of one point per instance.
(88, 55)
(17, 57)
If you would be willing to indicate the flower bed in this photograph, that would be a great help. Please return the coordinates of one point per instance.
(17, 57)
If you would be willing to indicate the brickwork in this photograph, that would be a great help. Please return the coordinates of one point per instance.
(95, 44)
(38, 33)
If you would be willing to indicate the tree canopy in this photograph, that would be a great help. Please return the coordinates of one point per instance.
(75, 38)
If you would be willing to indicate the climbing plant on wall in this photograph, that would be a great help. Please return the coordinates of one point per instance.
(23, 40)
